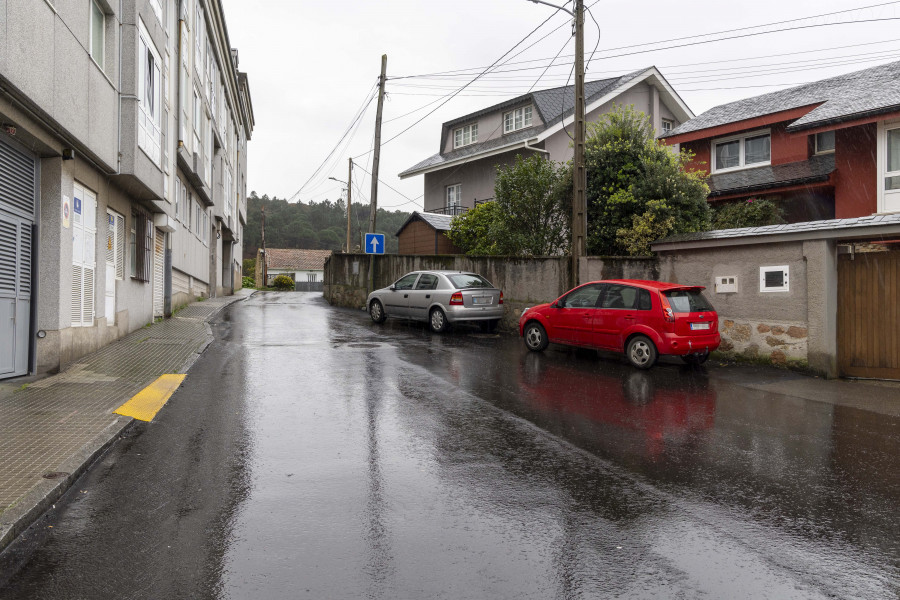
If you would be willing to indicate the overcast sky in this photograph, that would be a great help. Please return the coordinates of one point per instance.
(312, 64)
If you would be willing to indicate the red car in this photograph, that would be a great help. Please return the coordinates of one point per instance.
(643, 319)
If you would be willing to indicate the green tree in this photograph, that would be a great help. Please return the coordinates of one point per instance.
(529, 216)
(480, 231)
(637, 188)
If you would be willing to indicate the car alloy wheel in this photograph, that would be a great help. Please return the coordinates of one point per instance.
(641, 352)
(535, 337)
(437, 320)
(376, 311)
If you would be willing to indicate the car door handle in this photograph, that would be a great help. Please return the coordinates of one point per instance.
(428, 295)
(631, 317)
(406, 295)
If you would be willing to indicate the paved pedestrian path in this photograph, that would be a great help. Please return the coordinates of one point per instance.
(52, 429)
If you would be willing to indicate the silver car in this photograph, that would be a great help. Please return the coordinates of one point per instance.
(439, 298)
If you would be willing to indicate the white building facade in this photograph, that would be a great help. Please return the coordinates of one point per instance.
(110, 214)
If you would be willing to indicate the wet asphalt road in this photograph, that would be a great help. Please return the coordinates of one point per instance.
(313, 454)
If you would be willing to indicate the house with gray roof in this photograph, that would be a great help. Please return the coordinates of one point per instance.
(825, 150)
(462, 173)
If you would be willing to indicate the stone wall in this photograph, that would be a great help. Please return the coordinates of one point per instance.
(781, 342)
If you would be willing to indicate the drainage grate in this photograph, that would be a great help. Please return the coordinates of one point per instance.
(56, 475)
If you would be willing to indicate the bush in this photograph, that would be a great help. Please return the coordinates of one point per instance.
(248, 282)
(283, 283)
(752, 213)
(248, 267)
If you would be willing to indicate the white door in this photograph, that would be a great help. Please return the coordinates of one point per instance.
(114, 228)
(84, 250)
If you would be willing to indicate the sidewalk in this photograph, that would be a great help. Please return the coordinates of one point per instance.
(52, 430)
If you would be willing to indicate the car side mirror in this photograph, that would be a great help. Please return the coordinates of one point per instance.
(554, 304)
(393, 288)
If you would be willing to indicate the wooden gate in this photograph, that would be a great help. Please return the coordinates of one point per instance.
(869, 315)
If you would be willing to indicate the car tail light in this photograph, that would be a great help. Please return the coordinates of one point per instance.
(501, 298)
(456, 299)
(668, 314)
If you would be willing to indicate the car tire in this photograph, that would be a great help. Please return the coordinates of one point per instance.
(641, 352)
(376, 311)
(437, 320)
(535, 337)
(489, 326)
(697, 358)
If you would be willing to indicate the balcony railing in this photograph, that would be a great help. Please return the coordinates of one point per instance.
(456, 210)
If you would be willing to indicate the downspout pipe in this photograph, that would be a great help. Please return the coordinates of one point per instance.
(533, 148)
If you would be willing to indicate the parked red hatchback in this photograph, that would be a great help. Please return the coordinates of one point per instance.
(643, 319)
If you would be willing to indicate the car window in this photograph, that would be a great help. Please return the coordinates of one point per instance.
(644, 302)
(406, 282)
(583, 297)
(463, 281)
(620, 296)
(427, 282)
(686, 301)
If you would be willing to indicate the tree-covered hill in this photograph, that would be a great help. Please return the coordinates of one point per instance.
(314, 226)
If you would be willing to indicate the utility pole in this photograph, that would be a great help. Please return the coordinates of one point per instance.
(349, 203)
(376, 157)
(579, 200)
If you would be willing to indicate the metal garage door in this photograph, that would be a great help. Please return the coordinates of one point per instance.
(18, 177)
(869, 314)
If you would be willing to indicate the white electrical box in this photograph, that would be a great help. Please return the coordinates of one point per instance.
(727, 284)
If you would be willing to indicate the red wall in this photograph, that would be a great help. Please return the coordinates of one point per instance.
(856, 171)
(788, 147)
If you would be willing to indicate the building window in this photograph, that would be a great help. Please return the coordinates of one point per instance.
(825, 142)
(667, 125)
(752, 150)
(465, 135)
(892, 174)
(149, 84)
(454, 196)
(517, 119)
(311, 277)
(98, 33)
(205, 234)
(774, 279)
(141, 245)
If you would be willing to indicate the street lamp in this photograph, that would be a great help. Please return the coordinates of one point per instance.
(579, 183)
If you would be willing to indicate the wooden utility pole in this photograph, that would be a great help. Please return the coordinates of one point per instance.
(376, 157)
(579, 200)
(349, 203)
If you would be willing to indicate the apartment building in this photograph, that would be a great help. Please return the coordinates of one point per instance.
(123, 133)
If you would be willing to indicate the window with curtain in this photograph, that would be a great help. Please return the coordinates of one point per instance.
(746, 151)
(149, 89)
(98, 33)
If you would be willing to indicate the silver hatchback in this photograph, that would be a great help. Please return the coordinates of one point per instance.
(439, 298)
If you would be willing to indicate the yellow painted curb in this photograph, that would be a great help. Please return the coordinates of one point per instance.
(146, 403)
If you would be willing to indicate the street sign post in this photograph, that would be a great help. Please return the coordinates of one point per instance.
(374, 243)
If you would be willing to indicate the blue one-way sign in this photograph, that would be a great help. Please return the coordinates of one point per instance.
(374, 243)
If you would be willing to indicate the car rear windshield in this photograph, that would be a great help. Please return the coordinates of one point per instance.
(464, 281)
(687, 301)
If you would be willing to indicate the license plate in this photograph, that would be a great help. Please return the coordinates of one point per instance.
(699, 325)
(481, 300)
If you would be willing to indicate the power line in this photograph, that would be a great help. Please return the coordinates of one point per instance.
(460, 72)
(454, 94)
(359, 114)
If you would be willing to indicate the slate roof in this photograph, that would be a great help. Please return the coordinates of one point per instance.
(552, 105)
(834, 225)
(438, 222)
(814, 170)
(845, 97)
(298, 260)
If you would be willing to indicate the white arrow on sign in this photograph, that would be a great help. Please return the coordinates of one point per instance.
(374, 245)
